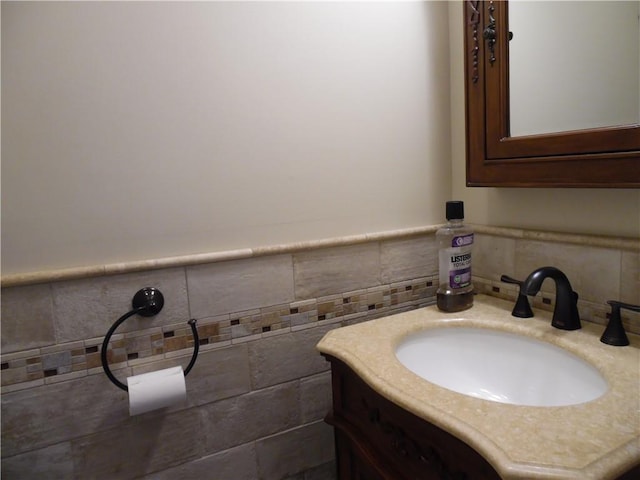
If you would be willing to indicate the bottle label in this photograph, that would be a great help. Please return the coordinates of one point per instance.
(462, 240)
(457, 261)
(459, 270)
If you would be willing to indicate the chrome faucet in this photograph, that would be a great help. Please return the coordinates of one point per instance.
(565, 314)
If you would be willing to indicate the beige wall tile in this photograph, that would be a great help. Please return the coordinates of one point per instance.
(237, 463)
(27, 317)
(335, 270)
(288, 453)
(52, 462)
(46, 415)
(87, 308)
(593, 272)
(217, 374)
(630, 278)
(248, 417)
(17, 375)
(326, 471)
(240, 285)
(408, 259)
(315, 397)
(493, 257)
(142, 445)
(287, 357)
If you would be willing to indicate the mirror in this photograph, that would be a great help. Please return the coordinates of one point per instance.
(601, 73)
(510, 142)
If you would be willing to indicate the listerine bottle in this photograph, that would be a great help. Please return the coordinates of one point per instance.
(455, 239)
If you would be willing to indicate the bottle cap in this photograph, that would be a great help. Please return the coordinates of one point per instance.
(455, 210)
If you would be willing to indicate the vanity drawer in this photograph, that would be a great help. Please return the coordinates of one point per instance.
(392, 442)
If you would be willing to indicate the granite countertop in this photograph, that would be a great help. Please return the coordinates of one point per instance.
(599, 439)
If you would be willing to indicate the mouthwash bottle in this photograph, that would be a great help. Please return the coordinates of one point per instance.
(455, 290)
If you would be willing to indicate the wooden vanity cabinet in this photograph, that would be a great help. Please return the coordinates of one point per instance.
(377, 440)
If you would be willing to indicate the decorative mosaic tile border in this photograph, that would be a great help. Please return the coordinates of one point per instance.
(32, 368)
(36, 367)
(589, 311)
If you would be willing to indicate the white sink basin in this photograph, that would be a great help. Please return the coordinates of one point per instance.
(501, 367)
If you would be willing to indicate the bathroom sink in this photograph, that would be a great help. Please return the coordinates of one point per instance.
(502, 367)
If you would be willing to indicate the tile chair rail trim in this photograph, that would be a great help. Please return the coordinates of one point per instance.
(58, 275)
(30, 278)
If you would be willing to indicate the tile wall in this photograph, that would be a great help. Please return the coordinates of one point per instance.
(599, 269)
(259, 390)
(257, 394)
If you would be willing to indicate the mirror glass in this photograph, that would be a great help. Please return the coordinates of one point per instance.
(573, 65)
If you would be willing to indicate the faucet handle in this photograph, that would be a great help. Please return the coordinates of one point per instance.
(614, 334)
(521, 309)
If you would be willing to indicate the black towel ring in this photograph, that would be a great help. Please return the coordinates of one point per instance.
(147, 302)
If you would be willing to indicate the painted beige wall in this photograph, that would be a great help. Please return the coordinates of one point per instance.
(590, 211)
(145, 130)
(137, 130)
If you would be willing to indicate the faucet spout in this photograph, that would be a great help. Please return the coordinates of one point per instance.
(565, 314)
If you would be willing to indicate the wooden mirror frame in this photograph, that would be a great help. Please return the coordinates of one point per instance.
(600, 157)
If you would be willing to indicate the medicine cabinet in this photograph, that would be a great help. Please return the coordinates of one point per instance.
(603, 155)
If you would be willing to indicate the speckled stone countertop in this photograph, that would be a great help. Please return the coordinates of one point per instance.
(594, 440)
